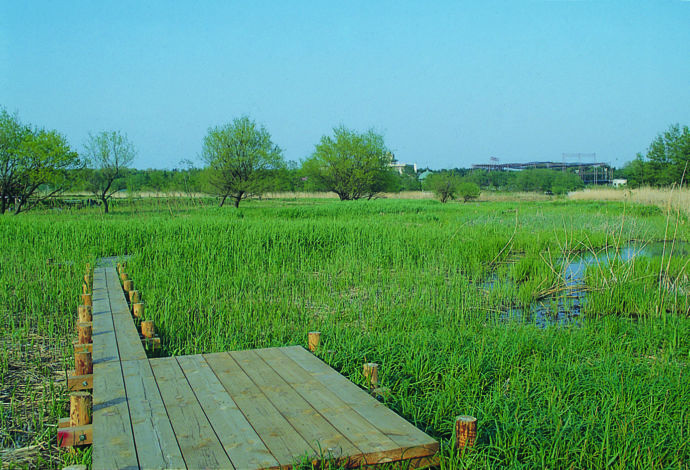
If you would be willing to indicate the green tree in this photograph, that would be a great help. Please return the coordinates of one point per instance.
(108, 156)
(468, 191)
(35, 164)
(669, 155)
(444, 184)
(351, 164)
(12, 135)
(239, 158)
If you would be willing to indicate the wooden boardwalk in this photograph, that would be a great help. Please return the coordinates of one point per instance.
(265, 408)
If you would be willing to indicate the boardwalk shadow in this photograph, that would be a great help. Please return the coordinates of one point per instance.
(109, 403)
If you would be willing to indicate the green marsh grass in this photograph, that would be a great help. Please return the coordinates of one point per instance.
(401, 283)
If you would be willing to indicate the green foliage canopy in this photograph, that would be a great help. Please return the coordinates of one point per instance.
(444, 185)
(544, 180)
(35, 163)
(449, 185)
(240, 157)
(666, 161)
(351, 164)
(108, 155)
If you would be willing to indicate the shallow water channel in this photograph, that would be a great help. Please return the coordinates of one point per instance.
(564, 308)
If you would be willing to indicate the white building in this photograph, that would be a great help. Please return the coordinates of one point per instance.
(401, 166)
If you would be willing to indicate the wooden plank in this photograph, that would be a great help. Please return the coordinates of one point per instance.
(103, 336)
(199, 444)
(241, 442)
(364, 435)
(415, 442)
(312, 426)
(75, 436)
(155, 441)
(79, 382)
(112, 430)
(275, 431)
(128, 341)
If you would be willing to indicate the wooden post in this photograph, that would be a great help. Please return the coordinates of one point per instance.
(465, 432)
(128, 285)
(314, 340)
(371, 374)
(86, 300)
(87, 279)
(123, 276)
(84, 313)
(84, 332)
(119, 268)
(84, 288)
(79, 409)
(138, 309)
(83, 364)
(134, 296)
(147, 329)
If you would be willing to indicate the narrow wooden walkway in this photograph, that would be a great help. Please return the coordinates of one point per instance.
(265, 408)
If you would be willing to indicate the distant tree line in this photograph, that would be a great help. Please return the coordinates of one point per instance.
(241, 161)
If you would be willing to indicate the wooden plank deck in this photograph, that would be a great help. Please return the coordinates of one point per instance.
(266, 408)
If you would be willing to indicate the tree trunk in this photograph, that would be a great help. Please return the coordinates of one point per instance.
(3, 204)
(238, 198)
(105, 204)
(18, 206)
(222, 201)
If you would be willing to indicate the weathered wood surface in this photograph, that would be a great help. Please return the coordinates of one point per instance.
(266, 408)
(154, 437)
(239, 439)
(113, 440)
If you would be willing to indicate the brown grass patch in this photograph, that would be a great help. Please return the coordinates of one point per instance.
(667, 198)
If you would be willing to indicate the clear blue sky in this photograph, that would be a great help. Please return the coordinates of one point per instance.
(448, 83)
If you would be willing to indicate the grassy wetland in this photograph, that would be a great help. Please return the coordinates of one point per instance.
(468, 309)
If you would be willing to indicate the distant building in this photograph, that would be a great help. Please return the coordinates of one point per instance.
(618, 182)
(402, 167)
(589, 172)
(424, 175)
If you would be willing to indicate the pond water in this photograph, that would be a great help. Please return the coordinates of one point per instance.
(564, 308)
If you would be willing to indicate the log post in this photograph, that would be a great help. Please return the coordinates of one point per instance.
(128, 285)
(79, 409)
(314, 340)
(83, 365)
(147, 329)
(138, 309)
(119, 268)
(84, 332)
(84, 288)
(84, 313)
(134, 296)
(123, 276)
(465, 432)
(87, 279)
(87, 300)
(371, 374)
